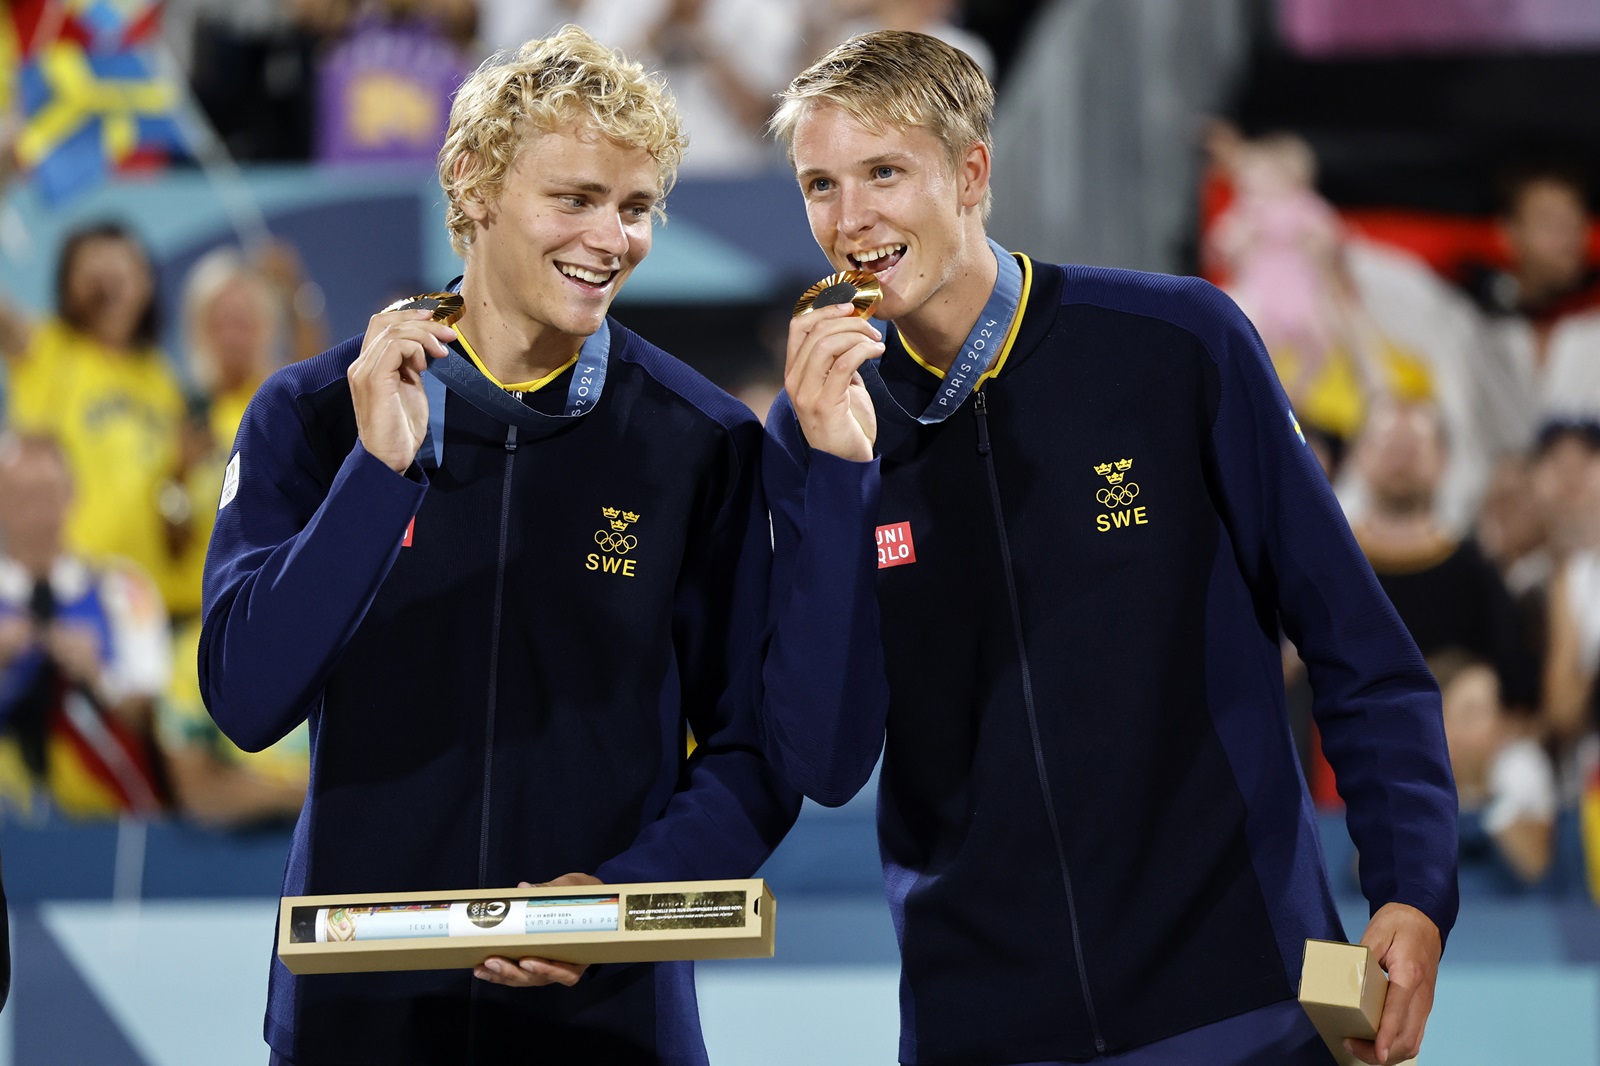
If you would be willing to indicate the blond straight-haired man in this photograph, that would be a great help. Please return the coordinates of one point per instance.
(503, 568)
(1067, 511)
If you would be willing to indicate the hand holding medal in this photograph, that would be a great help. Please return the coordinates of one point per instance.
(825, 353)
(386, 377)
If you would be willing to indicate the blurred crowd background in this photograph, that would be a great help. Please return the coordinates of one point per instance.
(1399, 195)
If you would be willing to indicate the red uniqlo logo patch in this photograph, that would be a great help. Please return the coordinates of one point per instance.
(411, 526)
(895, 547)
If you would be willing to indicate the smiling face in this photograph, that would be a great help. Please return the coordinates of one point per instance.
(569, 225)
(888, 201)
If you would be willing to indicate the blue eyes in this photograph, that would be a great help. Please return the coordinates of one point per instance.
(819, 186)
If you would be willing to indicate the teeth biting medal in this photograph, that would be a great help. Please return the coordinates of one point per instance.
(857, 287)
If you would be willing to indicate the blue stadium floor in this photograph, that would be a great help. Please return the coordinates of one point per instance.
(179, 978)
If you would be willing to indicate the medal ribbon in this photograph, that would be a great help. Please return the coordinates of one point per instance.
(983, 342)
(461, 376)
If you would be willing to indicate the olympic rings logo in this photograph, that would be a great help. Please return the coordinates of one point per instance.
(1120, 496)
(615, 543)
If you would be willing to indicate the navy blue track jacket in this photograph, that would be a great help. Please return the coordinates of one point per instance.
(1093, 826)
(498, 680)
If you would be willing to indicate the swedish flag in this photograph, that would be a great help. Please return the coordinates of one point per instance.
(88, 112)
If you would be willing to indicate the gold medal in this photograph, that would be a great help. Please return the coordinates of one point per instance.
(446, 306)
(846, 287)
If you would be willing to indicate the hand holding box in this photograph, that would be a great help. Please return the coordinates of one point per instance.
(1342, 989)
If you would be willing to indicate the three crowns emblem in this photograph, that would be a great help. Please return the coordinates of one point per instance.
(616, 540)
(1119, 492)
(620, 520)
(1114, 471)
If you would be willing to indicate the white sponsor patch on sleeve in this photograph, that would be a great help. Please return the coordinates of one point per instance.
(230, 481)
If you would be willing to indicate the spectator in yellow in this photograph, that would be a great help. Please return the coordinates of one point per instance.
(233, 332)
(234, 336)
(93, 378)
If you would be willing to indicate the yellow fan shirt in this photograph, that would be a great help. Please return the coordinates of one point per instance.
(204, 486)
(1334, 399)
(116, 415)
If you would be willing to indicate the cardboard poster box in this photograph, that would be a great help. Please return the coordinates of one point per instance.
(1342, 989)
(659, 922)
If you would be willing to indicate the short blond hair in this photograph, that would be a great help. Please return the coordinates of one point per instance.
(901, 78)
(541, 88)
(210, 276)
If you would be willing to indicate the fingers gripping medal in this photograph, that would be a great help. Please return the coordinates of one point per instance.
(446, 306)
(855, 287)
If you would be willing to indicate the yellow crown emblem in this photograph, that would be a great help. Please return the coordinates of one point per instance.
(620, 519)
(1114, 471)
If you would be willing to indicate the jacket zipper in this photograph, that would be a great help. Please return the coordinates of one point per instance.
(494, 695)
(980, 406)
(494, 654)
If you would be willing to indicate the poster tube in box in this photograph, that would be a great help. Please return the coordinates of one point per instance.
(601, 923)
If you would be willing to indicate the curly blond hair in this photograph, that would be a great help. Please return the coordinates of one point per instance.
(542, 87)
(901, 78)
